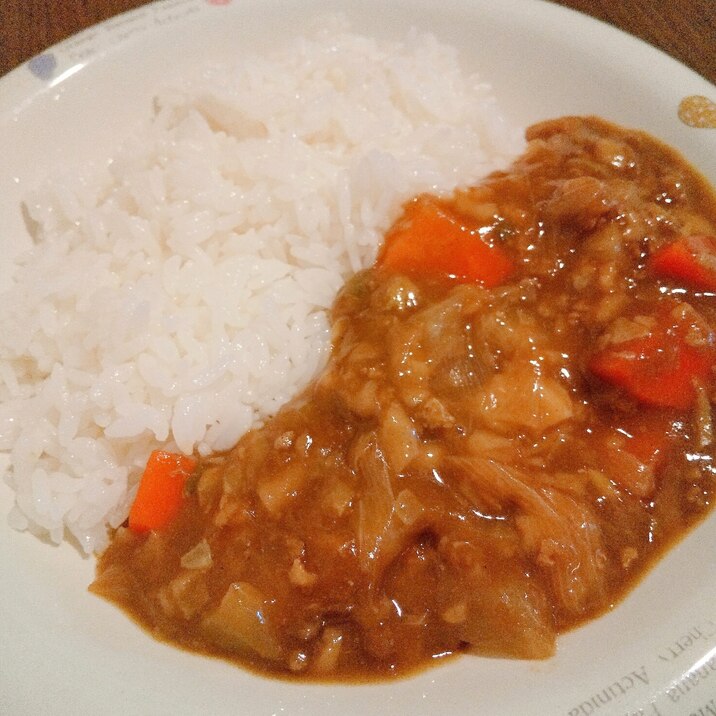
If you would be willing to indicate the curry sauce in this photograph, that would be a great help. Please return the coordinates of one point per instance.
(515, 422)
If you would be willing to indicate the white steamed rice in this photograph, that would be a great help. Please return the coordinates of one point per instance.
(176, 295)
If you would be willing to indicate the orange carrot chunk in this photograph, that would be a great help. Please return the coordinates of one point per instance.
(661, 369)
(161, 490)
(429, 241)
(633, 453)
(691, 259)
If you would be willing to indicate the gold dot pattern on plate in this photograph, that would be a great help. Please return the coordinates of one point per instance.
(698, 111)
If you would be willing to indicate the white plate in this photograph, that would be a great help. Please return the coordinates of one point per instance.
(63, 651)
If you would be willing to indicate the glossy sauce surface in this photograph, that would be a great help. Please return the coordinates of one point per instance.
(484, 463)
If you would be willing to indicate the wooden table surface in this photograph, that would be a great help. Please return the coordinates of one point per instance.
(685, 29)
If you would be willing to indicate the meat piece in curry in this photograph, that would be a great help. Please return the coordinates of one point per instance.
(515, 421)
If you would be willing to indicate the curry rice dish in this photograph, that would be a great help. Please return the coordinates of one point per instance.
(514, 424)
